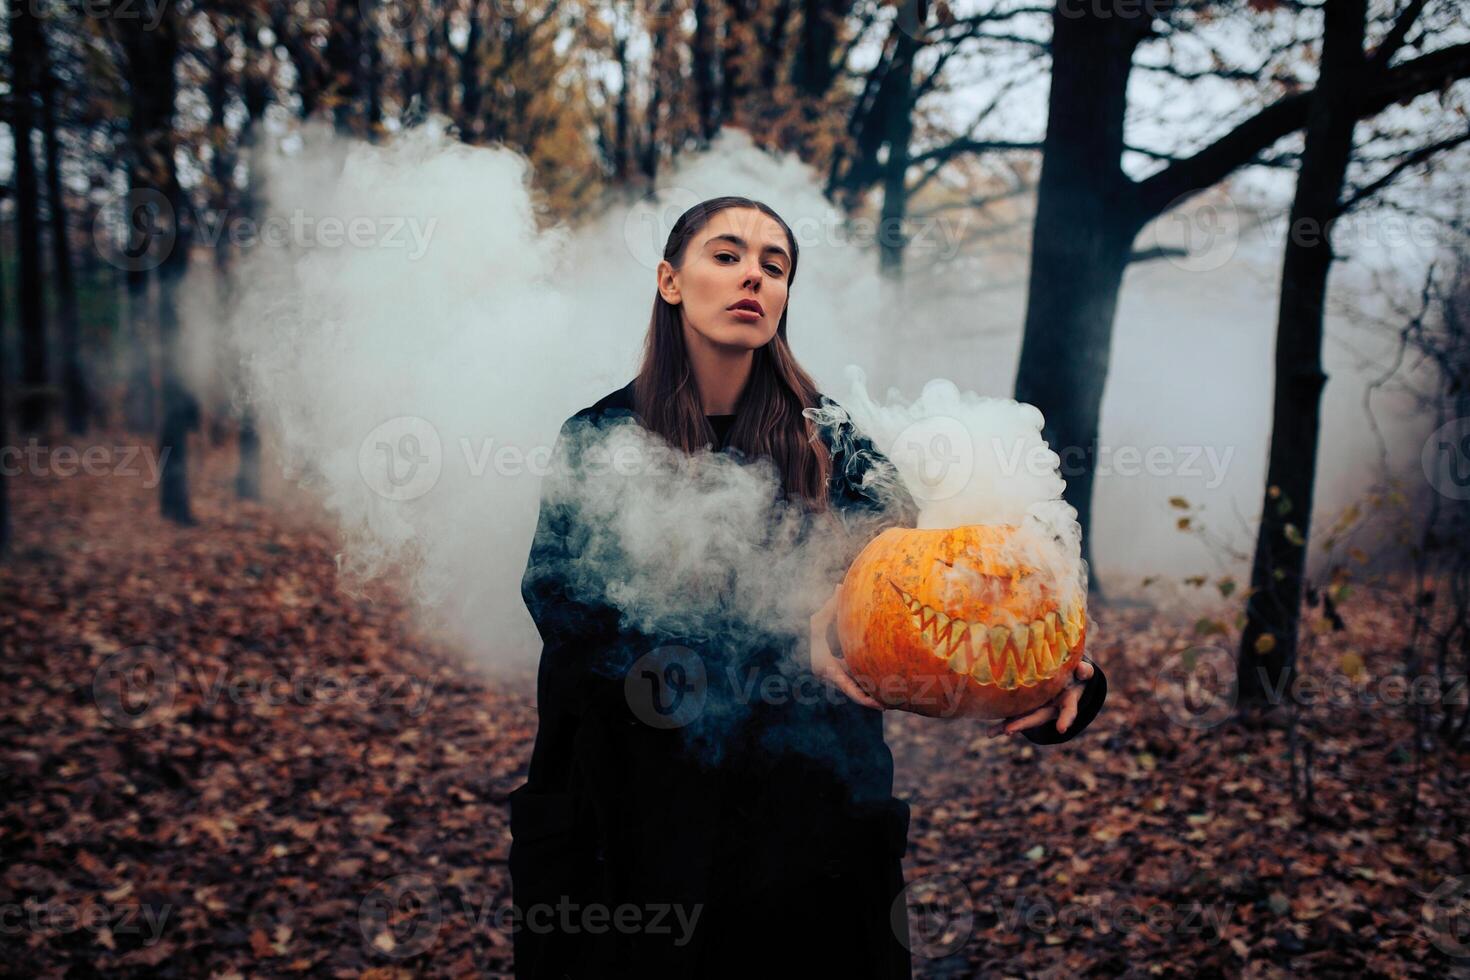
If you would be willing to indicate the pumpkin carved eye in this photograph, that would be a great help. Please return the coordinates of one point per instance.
(904, 615)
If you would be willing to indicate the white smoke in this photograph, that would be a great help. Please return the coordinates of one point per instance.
(414, 338)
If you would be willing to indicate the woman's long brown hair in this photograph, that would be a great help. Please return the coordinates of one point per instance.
(768, 418)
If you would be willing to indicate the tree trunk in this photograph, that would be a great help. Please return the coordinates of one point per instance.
(854, 169)
(75, 393)
(1268, 642)
(1084, 227)
(471, 88)
(344, 53)
(247, 477)
(140, 409)
(1064, 353)
(1088, 212)
(31, 269)
(180, 413)
(152, 55)
(774, 46)
(813, 70)
(309, 80)
(221, 195)
(898, 127)
(659, 24)
(735, 60)
(371, 72)
(256, 94)
(623, 117)
(703, 68)
(4, 426)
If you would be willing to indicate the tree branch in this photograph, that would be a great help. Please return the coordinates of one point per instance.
(958, 147)
(1396, 36)
(977, 203)
(992, 17)
(1232, 74)
(1425, 73)
(1215, 162)
(1277, 161)
(1157, 252)
(1030, 42)
(868, 18)
(980, 117)
(922, 89)
(1412, 160)
(1151, 154)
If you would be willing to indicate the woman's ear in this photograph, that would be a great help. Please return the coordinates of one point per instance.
(668, 286)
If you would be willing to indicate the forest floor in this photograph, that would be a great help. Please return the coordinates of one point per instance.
(215, 763)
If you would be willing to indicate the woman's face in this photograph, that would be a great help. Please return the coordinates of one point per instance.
(739, 258)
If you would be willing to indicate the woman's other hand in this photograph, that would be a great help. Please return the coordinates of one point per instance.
(1063, 707)
(825, 664)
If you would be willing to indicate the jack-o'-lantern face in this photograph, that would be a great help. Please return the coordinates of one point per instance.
(950, 622)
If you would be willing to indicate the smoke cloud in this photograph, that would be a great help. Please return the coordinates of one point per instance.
(416, 338)
(413, 335)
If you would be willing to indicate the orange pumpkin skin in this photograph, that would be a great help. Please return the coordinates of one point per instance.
(937, 622)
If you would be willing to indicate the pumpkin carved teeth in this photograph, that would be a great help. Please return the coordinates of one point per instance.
(1073, 631)
(998, 637)
(959, 651)
(980, 663)
(1040, 650)
(1023, 655)
(1022, 636)
(959, 641)
(1009, 679)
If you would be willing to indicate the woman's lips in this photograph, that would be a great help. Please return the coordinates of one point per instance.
(750, 316)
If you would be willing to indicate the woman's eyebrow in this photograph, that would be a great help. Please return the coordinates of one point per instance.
(742, 243)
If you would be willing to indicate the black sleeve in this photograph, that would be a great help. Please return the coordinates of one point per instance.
(869, 492)
(576, 627)
(1093, 696)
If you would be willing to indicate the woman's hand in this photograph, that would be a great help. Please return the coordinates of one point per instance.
(1063, 707)
(825, 665)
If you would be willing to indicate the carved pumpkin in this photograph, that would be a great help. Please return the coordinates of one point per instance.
(949, 622)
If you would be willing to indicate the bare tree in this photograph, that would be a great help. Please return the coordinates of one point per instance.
(5, 532)
(151, 56)
(885, 143)
(76, 395)
(1269, 639)
(24, 37)
(1088, 212)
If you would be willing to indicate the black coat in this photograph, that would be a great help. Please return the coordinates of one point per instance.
(779, 830)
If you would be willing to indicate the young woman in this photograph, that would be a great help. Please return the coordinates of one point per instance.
(779, 853)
